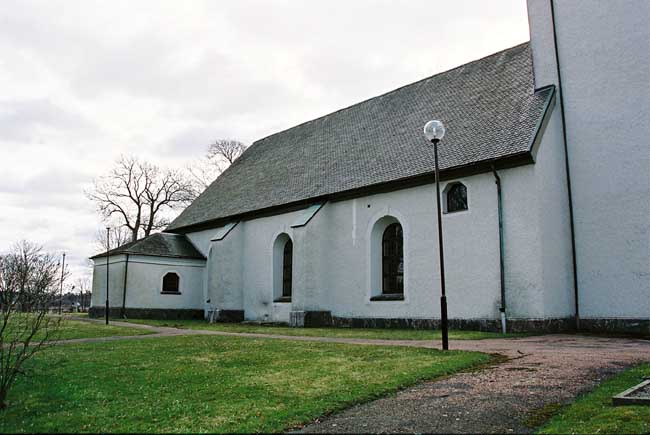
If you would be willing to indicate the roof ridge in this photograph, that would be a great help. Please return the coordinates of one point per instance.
(388, 92)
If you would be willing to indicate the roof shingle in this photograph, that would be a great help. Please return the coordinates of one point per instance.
(158, 245)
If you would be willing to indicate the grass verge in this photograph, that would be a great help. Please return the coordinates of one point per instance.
(19, 327)
(211, 383)
(382, 334)
(70, 329)
(594, 413)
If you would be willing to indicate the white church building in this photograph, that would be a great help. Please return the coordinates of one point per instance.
(333, 222)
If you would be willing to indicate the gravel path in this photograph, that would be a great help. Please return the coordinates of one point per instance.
(541, 372)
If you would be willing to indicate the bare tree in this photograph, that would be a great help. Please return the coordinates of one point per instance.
(29, 279)
(202, 172)
(221, 154)
(227, 150)
(138, 193)
(168, 189)
(120, 235)
(85, 291)
(83, 285)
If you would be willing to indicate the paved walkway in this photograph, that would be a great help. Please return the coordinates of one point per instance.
(540, 371)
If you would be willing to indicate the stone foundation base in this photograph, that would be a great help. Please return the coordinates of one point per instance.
(639, 327)
(315, 319)
(310, 319)
(487, 325)
(147, 313)
(226, 316)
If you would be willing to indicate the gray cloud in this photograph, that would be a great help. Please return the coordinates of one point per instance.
(48, 181)
(30, 120)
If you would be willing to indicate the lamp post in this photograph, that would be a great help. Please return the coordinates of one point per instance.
(108, 246)
(434, 132)
(61, 283)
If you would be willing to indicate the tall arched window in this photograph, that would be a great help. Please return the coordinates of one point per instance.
(287, 263)
(456, 198)
(170, 283)
(392, 260)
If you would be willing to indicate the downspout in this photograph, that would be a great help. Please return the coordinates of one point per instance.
(126, 272)
(502, 282)
(568, 172)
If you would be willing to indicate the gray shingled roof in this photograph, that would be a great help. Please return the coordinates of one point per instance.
(159, 245)
(489, 108)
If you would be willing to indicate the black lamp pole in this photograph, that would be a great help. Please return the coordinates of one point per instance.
(108, 245)
(61, 291)
(443, 298)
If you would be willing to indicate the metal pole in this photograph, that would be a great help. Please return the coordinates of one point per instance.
(502, 279)
(61, 291)
(567, 169)
(108, 245)
(126, 275)
(443, 297)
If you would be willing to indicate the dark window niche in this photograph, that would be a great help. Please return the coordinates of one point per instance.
(388, 297)
(283, 299)
(287, 270)
(456, 198)
(392, 260)
(171, 283)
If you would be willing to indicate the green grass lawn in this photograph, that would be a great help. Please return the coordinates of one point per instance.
(211, 383)
(384, 334)
(594, 412)
(69, 329)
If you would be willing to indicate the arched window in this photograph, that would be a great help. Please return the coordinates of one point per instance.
(171, 283)
(392, 260)
(456, 198)
(287, 263)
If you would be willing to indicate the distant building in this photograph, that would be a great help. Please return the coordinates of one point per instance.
(333, 221)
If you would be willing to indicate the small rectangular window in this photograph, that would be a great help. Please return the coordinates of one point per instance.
(455, 198)
(171, 283)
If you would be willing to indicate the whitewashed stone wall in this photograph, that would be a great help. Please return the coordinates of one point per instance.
(605, 68)
(144, 283)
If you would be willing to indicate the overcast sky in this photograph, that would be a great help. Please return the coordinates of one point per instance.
(82, 82)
